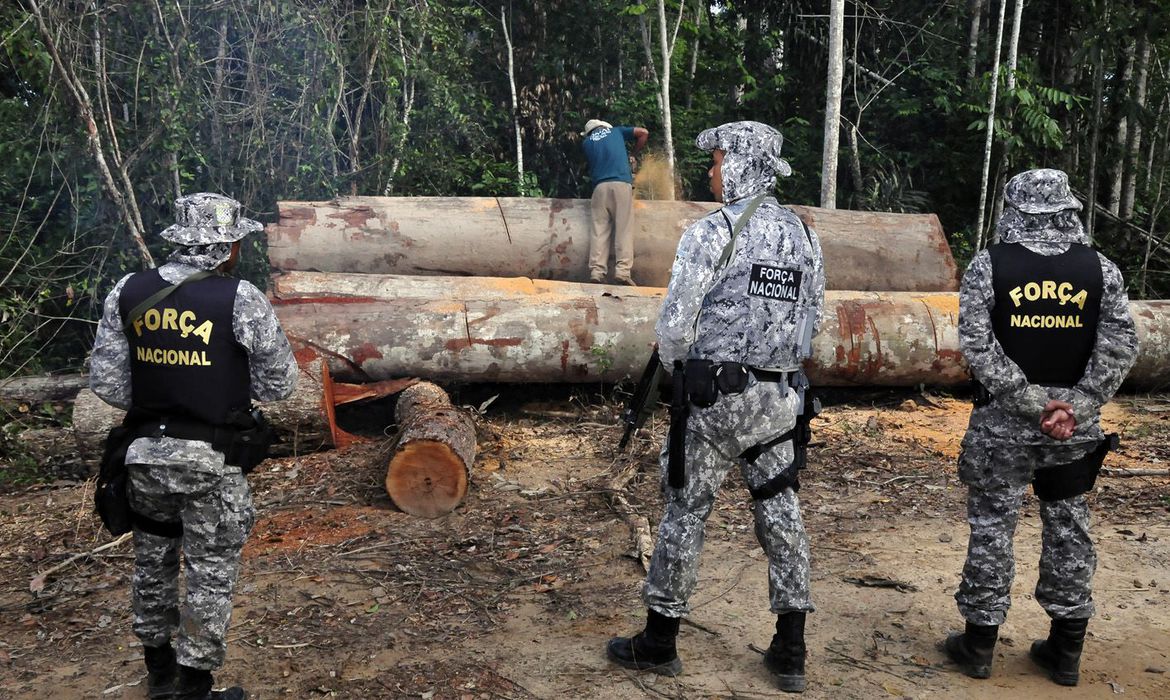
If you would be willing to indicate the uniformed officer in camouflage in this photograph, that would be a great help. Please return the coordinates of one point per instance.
(173, 479)
(1044, 324)
(761, 308)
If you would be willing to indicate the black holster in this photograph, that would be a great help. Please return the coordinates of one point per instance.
(1075, 478)
(800, 435)
(680, 411)
(246, 439)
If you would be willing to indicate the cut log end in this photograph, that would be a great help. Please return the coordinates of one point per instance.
(426, 478)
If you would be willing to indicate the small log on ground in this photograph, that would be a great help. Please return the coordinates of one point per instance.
(430, 466)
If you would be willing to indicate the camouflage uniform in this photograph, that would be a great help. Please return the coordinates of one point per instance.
(1004, 445)
(709, 314)
(173, 479)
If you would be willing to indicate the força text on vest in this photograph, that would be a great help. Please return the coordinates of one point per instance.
(185, 324)
(1048, 290)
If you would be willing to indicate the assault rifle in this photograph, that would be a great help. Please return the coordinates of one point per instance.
(642, 401)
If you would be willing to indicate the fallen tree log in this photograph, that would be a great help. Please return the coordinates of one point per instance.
(42, 388)
(430, 467)
(549, 239)
(522, 330)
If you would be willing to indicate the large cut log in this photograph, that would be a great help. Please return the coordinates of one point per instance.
(522, 330)
(549, 239)
(430, 467)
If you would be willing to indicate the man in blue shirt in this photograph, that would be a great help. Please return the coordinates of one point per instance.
(613, 196)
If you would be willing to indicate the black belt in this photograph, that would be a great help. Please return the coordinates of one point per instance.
(183, 429)
(764, 375)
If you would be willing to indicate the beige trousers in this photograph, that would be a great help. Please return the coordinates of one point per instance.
(613, 216)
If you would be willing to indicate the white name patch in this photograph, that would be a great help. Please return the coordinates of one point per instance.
(778, 283)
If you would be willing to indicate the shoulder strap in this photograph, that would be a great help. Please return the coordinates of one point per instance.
(137, 312)
(739, 224)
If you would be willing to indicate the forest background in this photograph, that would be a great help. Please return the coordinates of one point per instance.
(109, 110)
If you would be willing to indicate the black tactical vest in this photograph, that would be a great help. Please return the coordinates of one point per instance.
(1046, 310)
(184, 358)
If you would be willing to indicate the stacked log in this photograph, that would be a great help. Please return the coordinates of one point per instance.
(549, 239)
(522, 330)
(430, 467)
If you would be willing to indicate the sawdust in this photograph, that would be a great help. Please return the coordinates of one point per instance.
(295, 530)
(653, 179)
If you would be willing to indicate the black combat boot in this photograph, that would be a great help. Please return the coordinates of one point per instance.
(160, 671)
(1060, 654)
(652, 649)
(785, 655)
(973, 649)
(195, 684)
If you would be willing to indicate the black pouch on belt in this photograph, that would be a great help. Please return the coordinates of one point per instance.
(731, 377)
(700, 383)
(246, 445)
(1075, 478)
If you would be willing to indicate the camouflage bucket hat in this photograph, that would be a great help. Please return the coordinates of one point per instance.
(754, 140)
(205, 218)
(1042, 191)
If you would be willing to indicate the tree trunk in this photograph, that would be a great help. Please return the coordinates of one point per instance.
(979, 233)
(1133, 143)
(548, 239)
(833, 105)
(43, 388)
(430, 467)
(1005, 157)
(1095, 137)
(666, 46)
(855, 161)
(975, 10)
(515, 106)
(1117, 171)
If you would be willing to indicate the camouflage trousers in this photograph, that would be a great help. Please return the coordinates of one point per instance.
(715, 438)
(997, 482)
(217, 515)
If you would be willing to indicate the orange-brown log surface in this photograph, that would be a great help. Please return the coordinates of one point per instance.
(549, 239)
(373, 327)
(430, 466)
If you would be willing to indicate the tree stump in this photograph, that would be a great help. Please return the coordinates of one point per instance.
(430, 466)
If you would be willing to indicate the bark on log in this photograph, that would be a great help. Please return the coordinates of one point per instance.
(430, 468)
(521, 330)
(43, 388)
(549, 239)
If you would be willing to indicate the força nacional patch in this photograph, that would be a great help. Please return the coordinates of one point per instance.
(771, 282)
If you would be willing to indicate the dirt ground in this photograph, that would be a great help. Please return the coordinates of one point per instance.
(515, 593)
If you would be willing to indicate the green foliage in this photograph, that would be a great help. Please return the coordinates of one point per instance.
(307, 100)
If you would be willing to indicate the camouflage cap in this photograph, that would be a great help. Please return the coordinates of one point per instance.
(206, 218)
(754, 140)
(1041, 191)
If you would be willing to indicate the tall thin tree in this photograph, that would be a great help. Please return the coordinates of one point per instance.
(979, 236)
(515, 107)
(833, 104)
